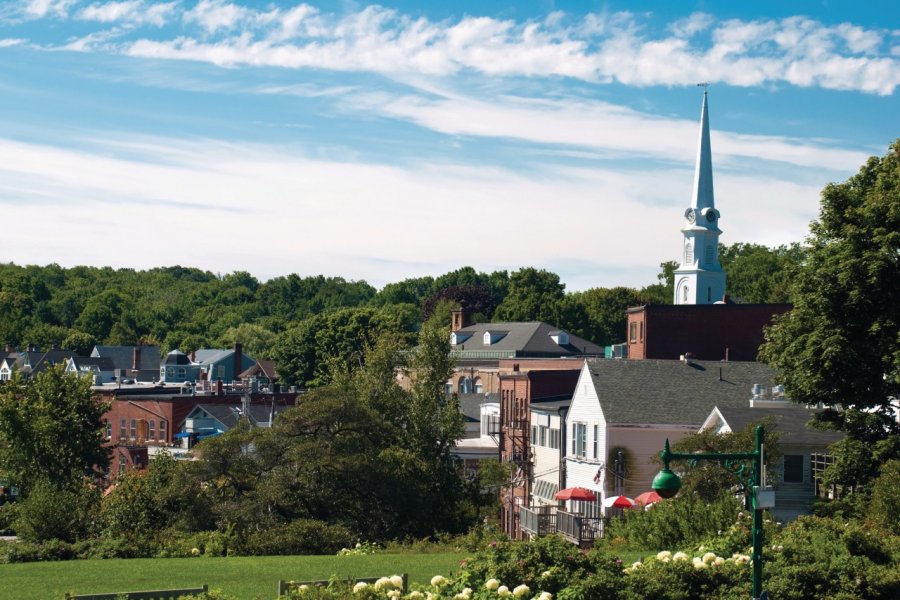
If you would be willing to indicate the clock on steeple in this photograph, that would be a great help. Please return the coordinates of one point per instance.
(700, 278)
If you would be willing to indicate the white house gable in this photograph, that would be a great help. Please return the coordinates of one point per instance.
(585, 436)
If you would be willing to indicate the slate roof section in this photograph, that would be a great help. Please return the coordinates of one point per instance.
(123, 356)
(51, 358)
(671, 392)
(470, 405)
(99, 363)
(177, 357)
(521, 339)
(790, 421)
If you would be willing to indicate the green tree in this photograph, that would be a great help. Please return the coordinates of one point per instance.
(840, 345)
(758, 274)
(707, 479)
(256, 340)
(663, 291)
(534, 295)
(51, 429)
(79, 342)
(605, 310)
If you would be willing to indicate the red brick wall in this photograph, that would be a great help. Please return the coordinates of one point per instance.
(709, 332)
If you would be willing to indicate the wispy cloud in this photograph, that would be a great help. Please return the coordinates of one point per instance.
(129, 12)
(594, 125)
(597, 48)
(212, 189)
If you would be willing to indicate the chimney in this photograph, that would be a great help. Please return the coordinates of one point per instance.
(460, 317)
(193, 356)
(136, 358)
(238, 360)
(10, 348)
(220, 390)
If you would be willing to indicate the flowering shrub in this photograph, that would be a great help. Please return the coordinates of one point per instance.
(360, 549)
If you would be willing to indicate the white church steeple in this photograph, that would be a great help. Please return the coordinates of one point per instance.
(700, 278)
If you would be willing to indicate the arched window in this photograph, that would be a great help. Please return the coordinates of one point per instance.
(479, 386)
(151, 433)
(684, 295)
(463, 385)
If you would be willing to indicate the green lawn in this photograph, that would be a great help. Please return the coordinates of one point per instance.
(246, 577)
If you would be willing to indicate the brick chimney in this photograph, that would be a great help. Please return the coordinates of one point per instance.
(460, 317)
(238, 360)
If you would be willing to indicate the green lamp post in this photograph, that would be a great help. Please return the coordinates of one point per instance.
(756, 495)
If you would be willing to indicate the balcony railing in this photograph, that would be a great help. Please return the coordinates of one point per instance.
(537, 521)
(578, 529)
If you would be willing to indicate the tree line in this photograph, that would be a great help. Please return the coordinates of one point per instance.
(300, 320)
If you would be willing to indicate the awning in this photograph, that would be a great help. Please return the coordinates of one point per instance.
(544, 489)
(182, 435)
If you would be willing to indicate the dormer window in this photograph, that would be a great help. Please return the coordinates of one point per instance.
(459, 337)
(492, 337)
(560, 337)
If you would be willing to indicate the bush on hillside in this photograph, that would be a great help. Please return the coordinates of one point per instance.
(302, 536)
(680, 522)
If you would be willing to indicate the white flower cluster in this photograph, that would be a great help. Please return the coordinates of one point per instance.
(707, 560)
(520, 591)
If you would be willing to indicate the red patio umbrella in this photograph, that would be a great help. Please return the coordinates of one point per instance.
(575, 493)
(648, 498)
(619, 502)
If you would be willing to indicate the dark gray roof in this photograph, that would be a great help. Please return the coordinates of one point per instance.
(229, 414)
(790, 421)
(672, 392)
(521, 339)
(470, 404)
(176, 357)
(123, 356)
(51, 358)
(103, 363)
(551, 405)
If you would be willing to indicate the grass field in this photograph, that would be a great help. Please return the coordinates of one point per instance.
(246, 577)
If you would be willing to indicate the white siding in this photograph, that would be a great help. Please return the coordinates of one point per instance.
(580, 471)
(546, 459)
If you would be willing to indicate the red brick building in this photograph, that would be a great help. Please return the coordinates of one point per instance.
(707, 331)
(142, 418)
(518, 390)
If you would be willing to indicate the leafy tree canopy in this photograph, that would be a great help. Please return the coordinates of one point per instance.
(50, 429)
(840, 345)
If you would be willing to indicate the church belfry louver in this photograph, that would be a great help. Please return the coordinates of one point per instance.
(700, 279)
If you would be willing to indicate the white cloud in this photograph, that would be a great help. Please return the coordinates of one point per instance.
(36, 9)
(271, 212)
(598, 126)
(692, 24)
(136, 12)
(796, 50)
(213, 15)
(9, 42)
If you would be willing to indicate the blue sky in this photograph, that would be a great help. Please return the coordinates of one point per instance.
(387, 141)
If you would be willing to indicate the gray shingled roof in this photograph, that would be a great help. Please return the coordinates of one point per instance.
(470, 404)
(103, 363)
(790, 421)
(523, 339)
(672, 392)
(123, 356)
(50, 359)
